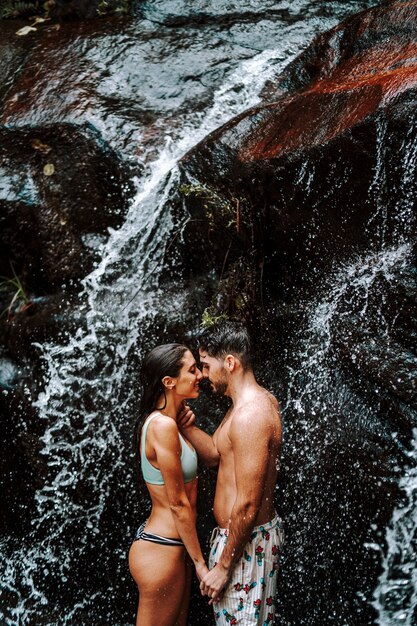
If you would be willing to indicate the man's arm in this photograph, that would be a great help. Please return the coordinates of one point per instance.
(201, 441)
(250, 445)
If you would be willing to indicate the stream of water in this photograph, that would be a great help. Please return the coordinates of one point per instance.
(130, 262)
(89, 383)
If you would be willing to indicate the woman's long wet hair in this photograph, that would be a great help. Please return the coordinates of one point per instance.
(165, 360)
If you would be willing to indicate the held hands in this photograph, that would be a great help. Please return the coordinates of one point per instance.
(185, 416)
(201, 570)
(214, 583)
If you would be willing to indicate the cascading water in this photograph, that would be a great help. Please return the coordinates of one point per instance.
(323, 405)
(89, 394)
(395, 598)
(85, 400)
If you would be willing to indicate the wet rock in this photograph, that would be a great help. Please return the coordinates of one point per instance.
(98, 94)
(63, 185)
(375, 337)
(288, 160)
(48, 318)
(86, 9)
(131, 78)
(111, 75)
(21, 465)
(245, 13)
(320, 178)
(66, 9)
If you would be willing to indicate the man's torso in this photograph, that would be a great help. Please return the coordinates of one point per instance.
(268, 417)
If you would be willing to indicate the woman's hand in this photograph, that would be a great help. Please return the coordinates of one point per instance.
(201, 571)
(215, 582)
(185, 417)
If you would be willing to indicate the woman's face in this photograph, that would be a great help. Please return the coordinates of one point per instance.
(189, 377)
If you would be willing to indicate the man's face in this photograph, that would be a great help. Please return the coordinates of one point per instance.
(214, 370)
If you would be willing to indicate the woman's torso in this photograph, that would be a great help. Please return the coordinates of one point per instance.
(161, 520)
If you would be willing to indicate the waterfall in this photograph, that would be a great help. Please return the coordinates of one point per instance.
(319, 400)
(319, 409)
(87, 399)
(87, 373)
(395, 598)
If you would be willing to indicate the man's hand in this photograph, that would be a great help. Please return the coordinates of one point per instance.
(214, 582)
(185, 416)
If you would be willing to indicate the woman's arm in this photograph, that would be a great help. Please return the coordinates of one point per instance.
(202, 442)
(168, 455)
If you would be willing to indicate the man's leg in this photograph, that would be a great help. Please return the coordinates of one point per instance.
(266, 544)
(249, 599)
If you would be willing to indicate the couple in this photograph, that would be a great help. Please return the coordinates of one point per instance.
(241, 578)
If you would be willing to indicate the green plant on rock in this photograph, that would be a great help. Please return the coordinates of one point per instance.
(239, 236)
(106, 7)
(211, 317)
(19, 9)
(219, 210)
(15, 294)
(238, 295)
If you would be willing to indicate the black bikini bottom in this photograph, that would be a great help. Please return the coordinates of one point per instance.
(164, 541)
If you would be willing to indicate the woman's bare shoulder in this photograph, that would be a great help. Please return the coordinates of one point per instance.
(162, 425)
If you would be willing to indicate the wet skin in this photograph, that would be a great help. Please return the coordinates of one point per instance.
(163, 573)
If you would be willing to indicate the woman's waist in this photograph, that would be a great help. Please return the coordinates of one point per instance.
(161, 522)
(159, 495)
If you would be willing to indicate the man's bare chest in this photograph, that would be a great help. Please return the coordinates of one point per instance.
(222, 440)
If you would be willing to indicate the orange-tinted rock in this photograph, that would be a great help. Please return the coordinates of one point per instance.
(355, 89)
(307, 162)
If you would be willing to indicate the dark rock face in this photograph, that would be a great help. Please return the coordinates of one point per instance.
(277, 156)
(323, 176)
(59, 183)
(80, 90)
(111, 75)
(66, 9)
(90, 99)
(21, 465)
(81, 9)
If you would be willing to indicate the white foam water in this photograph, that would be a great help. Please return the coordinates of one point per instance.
(359, 278)
(395, 597)
(116, 297)
(317, 396)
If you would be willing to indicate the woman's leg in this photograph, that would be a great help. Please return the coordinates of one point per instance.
(185, 600)
(160, 574)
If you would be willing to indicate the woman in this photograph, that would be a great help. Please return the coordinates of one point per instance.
(158, 558)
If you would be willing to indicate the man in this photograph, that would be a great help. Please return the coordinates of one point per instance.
(245, 547)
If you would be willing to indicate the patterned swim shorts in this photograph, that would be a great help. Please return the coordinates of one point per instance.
(249, 599)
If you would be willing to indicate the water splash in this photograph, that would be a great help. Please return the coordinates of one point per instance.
(87, 374)
(320, 408)
(395, 597)
(359, 278)
(393, 187)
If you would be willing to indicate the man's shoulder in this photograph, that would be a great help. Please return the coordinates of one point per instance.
(261, 407)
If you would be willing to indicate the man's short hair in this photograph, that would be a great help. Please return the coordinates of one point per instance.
(227, 337)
